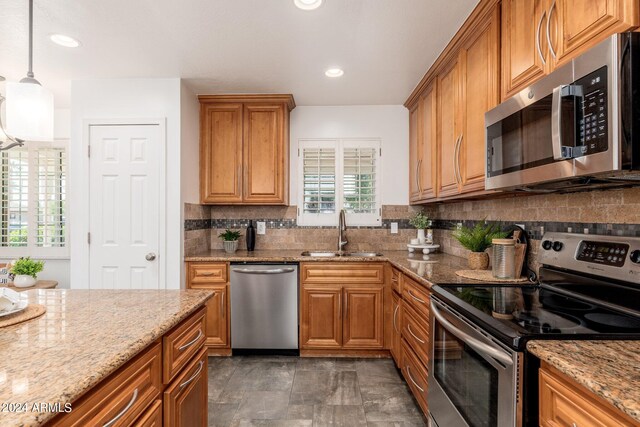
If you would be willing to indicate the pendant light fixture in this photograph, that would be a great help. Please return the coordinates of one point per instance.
(29, 111)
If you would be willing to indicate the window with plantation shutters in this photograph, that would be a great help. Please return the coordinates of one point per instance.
(339, 174)
(33, 201)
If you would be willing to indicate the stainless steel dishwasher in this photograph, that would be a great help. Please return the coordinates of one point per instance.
(264, 307)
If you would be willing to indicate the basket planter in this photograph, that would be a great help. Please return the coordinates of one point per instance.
(478, 260)
(230, 246)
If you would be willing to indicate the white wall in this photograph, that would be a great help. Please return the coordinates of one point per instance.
(388, 122)
(124, 99)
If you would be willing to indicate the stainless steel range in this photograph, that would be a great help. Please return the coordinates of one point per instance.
(480, 374)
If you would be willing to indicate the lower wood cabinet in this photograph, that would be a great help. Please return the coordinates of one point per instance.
(395, 347)
(214, 276)
(185, 400)
(565, 403)
(342, 311)
(416, 375)
(135, 395)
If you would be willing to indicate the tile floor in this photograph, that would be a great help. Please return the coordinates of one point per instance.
(290, 392)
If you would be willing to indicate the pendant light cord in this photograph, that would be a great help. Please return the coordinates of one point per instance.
(30, 72)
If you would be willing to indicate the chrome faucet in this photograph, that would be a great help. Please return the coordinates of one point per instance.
(342, 228)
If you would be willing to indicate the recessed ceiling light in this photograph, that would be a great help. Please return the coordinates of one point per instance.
(307, 4)
(334, 72)
(62, 40)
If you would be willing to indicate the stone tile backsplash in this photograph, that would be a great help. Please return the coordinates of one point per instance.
(610, 212)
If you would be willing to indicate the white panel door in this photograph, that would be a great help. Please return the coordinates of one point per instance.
(124, 203)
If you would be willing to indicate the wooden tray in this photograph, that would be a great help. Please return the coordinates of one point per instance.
(31, 312)
(487, 276)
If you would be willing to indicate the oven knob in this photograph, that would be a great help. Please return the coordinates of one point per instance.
(635, 256)
(546, 245)
(557, 246)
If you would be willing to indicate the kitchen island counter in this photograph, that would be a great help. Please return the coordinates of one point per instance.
(609, 369)
(84, 336)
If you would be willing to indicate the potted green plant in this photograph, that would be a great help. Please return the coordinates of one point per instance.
(26, 272)
(421, 222)
(477, 239)
(230, 240)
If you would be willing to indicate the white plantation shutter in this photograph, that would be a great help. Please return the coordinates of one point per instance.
(14, 199)
(51, 187)
(33, 201)
(323, 192)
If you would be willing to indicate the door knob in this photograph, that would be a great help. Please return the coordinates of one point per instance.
(150, 256)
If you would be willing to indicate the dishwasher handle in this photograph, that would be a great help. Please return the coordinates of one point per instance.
(264, 271)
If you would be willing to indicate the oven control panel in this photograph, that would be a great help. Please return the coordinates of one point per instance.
(593, 120)
(611, 257)
(607, 253)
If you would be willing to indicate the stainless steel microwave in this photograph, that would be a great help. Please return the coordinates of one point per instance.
(577, 128)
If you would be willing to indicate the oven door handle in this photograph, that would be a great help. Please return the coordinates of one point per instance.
(477, 345)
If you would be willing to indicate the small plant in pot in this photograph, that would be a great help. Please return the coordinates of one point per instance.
(421, 222)
(26, 272)
(477, 239)
(230, 240)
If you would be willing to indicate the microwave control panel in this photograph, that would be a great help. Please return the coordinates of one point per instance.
(608, 253)
(593, 122)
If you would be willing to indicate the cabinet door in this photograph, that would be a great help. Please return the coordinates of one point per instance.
(396, 350)
(584, 23)
(363, 318)
(221, 153)
(428, 142)
(185, 400)
(479, 92)
(320, 317)
(448, 129)
(217, 320)
(524, 46)
(414, 153)
(265, 154)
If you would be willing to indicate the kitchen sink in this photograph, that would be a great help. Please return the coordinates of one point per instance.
(328, 254)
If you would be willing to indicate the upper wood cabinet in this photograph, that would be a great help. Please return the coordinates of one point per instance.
(244, 149)
(449, 129)
(540, 35)
(423, 146)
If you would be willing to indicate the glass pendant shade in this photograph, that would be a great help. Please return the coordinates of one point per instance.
(29, 111)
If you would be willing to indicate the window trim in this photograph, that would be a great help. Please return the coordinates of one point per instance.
(31, 249)
(356, 220)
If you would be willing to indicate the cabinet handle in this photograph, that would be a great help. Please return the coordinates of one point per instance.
(193, 377)
(340, 303)
(553, 52)
(544, 62)
(458, 158)
(222, 305)
(346, 306)
(455, 156)
(124, 411)
(206, 273)
(574, 425)
(414, 335)
(415, 297)
(190, 343)
(411, 378)
(418, 175)
(395, 314)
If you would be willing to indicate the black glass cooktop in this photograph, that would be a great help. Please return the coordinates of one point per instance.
(516, 314)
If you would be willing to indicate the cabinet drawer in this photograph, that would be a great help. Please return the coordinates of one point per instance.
(185, 400)
(396, 280)
(153, 416)
(416, 296)
(564, 403)
(415, 374)
(415, 332)
(180, 345)
(123, 397)
(206, 272)
(343, 272)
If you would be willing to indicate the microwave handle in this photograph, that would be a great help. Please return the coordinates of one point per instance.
(477, 345)
(560, 151)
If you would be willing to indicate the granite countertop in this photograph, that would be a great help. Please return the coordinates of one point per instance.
(426, 269)
(84, 336)
(610, 369)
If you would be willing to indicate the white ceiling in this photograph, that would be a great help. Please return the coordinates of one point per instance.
(237, 46)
